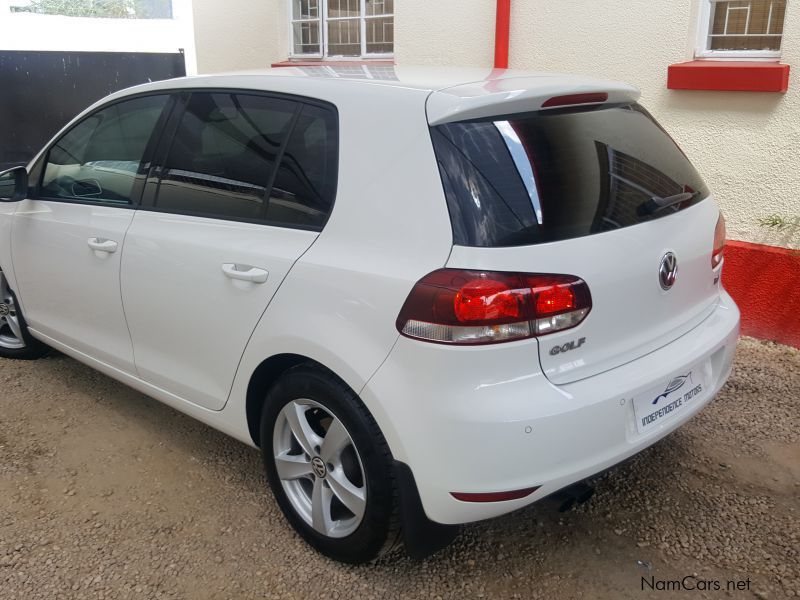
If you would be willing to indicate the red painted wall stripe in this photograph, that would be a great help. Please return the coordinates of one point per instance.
(765, 283)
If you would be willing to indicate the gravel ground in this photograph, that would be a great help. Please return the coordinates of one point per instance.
(105, 493)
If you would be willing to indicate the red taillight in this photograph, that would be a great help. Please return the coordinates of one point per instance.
(555, 299)
(572, 99)
(486, 299)
(452, 306)
(719, 242)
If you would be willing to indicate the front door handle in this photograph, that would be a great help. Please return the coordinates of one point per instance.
(244, 272)
(102, 245)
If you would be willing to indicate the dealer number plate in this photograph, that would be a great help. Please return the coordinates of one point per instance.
(662, 403)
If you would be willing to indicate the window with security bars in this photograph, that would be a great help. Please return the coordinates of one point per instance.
(342, 28)
(737, 28)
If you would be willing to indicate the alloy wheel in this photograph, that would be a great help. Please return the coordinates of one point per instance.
(10, 327)
(319, 468)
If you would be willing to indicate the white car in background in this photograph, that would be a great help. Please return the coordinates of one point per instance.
(430, 297)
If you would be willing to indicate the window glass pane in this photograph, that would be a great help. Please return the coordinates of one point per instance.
(107, 9)
(747, 25)
(344, 37)
(223, 155)
(344, 8)
(380, 35)
(718, 16)
(737, 19)
(778, 15)
(546, 177)
(379, 7)
(306, 37)
(99, 158)
(305, 9)
(732, 42)
(305, 183)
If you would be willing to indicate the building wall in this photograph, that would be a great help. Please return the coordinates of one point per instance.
(422, 38)
(745, 144)
(239, 34)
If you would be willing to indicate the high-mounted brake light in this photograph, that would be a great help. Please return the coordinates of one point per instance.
(572, 99)
(451, 306)
(719, 242)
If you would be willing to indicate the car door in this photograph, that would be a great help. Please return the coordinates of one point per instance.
(67, 237)
(236, 197)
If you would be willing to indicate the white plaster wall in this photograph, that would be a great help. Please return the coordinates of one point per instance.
(746, 145)
(232, 35)
(24, 31)
(447, 32)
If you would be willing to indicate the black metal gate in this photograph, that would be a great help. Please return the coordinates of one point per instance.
(41, 91)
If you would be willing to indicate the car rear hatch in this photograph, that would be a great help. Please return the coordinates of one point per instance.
(580, 181)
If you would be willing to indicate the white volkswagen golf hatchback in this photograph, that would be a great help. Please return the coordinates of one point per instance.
(430, 297)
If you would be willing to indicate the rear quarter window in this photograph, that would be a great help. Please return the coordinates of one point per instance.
(305, 183)
(555, 175)
(254, 158)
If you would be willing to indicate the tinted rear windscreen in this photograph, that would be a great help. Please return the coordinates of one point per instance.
(555, 175)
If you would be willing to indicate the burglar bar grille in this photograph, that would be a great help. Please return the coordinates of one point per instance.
(346, 28)
(754, 25)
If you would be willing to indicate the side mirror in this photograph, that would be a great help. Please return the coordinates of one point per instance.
(13, 184)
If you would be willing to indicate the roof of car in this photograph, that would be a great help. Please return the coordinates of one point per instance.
(455, 93)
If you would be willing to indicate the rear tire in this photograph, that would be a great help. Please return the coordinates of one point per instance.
(15, 339)
(329, 466)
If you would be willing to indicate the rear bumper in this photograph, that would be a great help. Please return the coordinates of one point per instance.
(485, 419)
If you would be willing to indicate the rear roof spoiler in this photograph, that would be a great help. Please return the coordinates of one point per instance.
(509, 95)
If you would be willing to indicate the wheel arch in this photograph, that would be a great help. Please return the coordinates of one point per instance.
(6, 265)
(420, 536)
(264, 377)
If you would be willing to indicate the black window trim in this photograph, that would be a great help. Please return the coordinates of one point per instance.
(155, 173)
(37, 171)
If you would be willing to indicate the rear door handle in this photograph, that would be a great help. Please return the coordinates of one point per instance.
(244, 272)
(102, 245)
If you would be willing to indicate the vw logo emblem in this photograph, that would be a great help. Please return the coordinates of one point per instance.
(668, 271)
(4, 310)
(318, 465)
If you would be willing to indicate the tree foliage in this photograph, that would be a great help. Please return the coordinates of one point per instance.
(114, 9)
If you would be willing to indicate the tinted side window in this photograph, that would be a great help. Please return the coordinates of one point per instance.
(224, 154)
(99, 158)
(305, 184)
